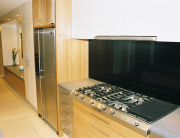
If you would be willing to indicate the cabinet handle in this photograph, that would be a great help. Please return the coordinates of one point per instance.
(65, 122)
(65, 113)
(62, 93)
(101, 131)
(100, 119)
(66, 131)
(65, 104)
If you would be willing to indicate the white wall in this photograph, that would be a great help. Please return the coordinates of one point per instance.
(9, 41)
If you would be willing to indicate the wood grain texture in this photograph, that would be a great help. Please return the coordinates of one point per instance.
(71, 55)
(100, 58)
(44, 26)
(42, 12)
(79, 133)
(83, 116)
(15, 81)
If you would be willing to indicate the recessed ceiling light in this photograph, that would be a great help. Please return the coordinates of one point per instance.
(8, 19)
(17, 15)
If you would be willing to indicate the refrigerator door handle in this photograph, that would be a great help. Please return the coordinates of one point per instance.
(39, 55)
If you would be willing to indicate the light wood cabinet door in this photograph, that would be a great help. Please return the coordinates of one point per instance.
(94, 124)
(43, 12)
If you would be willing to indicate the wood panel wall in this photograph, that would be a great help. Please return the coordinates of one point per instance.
(71, 55)
(42, 12)
(100, 58)
(1, 57)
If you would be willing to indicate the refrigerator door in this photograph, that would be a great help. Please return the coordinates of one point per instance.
(44, 42)
(48, 75)
(37, 70)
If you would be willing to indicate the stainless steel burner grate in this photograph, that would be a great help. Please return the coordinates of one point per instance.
(153, 110)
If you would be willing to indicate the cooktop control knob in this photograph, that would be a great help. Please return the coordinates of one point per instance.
(92, 102)
(82, 97)
(112, 111)
(103, 107)
(76, 94)
(136, 123)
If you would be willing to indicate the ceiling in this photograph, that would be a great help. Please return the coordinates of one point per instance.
(8, 5)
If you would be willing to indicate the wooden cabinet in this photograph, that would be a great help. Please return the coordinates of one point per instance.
(168, 20)
(93, 124)
(43, 12)
(15, 81)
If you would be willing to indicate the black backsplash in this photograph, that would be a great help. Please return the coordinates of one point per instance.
(149, 68)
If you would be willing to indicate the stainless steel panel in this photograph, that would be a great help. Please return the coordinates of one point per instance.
(64, 90)
(67, 114)
(64, 94)
(48, 75)
(66, 104)
(138, 38)
(38, 77)
(153, 135)
(67, 123)
(67, 131)
(44, 41)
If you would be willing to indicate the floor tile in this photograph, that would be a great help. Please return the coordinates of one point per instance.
(18, 119)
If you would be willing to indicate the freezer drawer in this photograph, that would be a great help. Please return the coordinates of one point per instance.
(65, 122)
(67, 131)
(67, 114)
(66, 104)
(64, 94)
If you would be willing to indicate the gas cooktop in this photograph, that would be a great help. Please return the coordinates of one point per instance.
(132, 109)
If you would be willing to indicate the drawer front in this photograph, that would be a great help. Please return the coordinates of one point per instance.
(65, 122)
(91, 128)
(67, 114)
(67, 131)
(66, 104)
(79, 134)
(99, 121)
(64, 94)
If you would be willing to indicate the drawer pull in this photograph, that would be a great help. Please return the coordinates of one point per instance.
(65, 122)
(66, 131)
(101, 131)
(62, 93)
(65, 113)
(100, 119)
(65, 104)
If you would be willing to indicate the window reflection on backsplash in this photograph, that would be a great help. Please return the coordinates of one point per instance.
(137, 63)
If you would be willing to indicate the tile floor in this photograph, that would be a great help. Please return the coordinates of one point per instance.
(18, 119)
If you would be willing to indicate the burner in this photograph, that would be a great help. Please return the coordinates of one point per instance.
(128, 104)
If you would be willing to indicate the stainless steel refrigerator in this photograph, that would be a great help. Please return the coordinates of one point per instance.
(44, 42)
